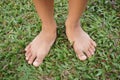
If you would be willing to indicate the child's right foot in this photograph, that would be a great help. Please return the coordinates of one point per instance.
(40, 46)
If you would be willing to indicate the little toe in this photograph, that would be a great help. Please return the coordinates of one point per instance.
(93, 43)
(31, 59)
(37, 62)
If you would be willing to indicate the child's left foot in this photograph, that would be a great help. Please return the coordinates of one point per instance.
(83, 45)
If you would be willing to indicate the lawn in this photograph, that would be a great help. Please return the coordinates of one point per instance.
(19, 24)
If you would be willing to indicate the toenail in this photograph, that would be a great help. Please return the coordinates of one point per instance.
(83, 57)
(36, 64)
(26, 58)
(25, 54)
(92, 52)
(29, 62)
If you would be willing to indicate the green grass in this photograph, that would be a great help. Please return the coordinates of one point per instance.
(19, 24)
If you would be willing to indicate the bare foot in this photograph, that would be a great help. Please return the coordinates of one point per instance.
(40, 46)
(83, 45)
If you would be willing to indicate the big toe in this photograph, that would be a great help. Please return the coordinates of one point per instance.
(37, 62)
(82, 57)
(80, 54)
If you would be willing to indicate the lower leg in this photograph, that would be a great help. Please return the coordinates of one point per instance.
(76, 9)
(40, 46)
(82, 42)
(45, 10)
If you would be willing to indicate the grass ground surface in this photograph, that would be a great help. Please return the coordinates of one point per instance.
(19, 24)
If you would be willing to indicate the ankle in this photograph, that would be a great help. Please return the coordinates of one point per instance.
(70, 24)
(49, 27)
(72, 27)
(49, 22)
(49, 31)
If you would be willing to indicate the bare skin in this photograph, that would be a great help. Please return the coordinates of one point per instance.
(83, 45)
(37, 50)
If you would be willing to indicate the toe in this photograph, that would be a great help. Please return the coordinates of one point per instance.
(92, 48)
(27, 52)
(80, 54)
(87, 52)
(93, 42)
(37, 62)
(31, 59)
(28, 46)
(39, 59)
(91, 51)
(28, 56)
